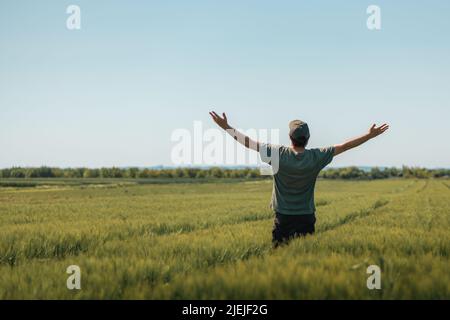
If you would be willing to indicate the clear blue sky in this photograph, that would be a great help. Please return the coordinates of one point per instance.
(113, 92)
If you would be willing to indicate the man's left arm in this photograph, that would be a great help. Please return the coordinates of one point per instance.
(374, 131)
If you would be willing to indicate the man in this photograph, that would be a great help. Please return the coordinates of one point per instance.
(296, 174)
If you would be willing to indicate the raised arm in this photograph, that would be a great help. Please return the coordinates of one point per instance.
(373, 132)
(238, 136)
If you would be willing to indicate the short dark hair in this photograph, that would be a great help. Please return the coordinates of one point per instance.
(300, 142)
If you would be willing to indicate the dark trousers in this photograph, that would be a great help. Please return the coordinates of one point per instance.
(287, 227)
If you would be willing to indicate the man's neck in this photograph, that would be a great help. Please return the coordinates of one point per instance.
(298, 149)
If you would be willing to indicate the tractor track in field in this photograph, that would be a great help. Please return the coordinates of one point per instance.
(362, 213)
(404, 188)
(356, 215)
(167, 229)
(424, 187)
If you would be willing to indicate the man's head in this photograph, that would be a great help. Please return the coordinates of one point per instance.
(299, 133)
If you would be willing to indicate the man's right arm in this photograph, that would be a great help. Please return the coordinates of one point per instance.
(353, 143)
(238, 136)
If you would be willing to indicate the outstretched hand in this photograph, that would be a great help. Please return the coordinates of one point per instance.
(376, 131)
(221, 121)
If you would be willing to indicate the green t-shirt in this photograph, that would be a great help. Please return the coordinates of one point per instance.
(295, 176)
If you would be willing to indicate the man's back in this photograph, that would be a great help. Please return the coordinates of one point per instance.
(295, 178)
(295, 174)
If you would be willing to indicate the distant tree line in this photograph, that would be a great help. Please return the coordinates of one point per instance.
(385, 173)
(130, 173)
(197, 173)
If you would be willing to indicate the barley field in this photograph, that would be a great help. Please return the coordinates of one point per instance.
(213, 241)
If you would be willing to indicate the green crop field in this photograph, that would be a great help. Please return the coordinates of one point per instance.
(212, 240)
